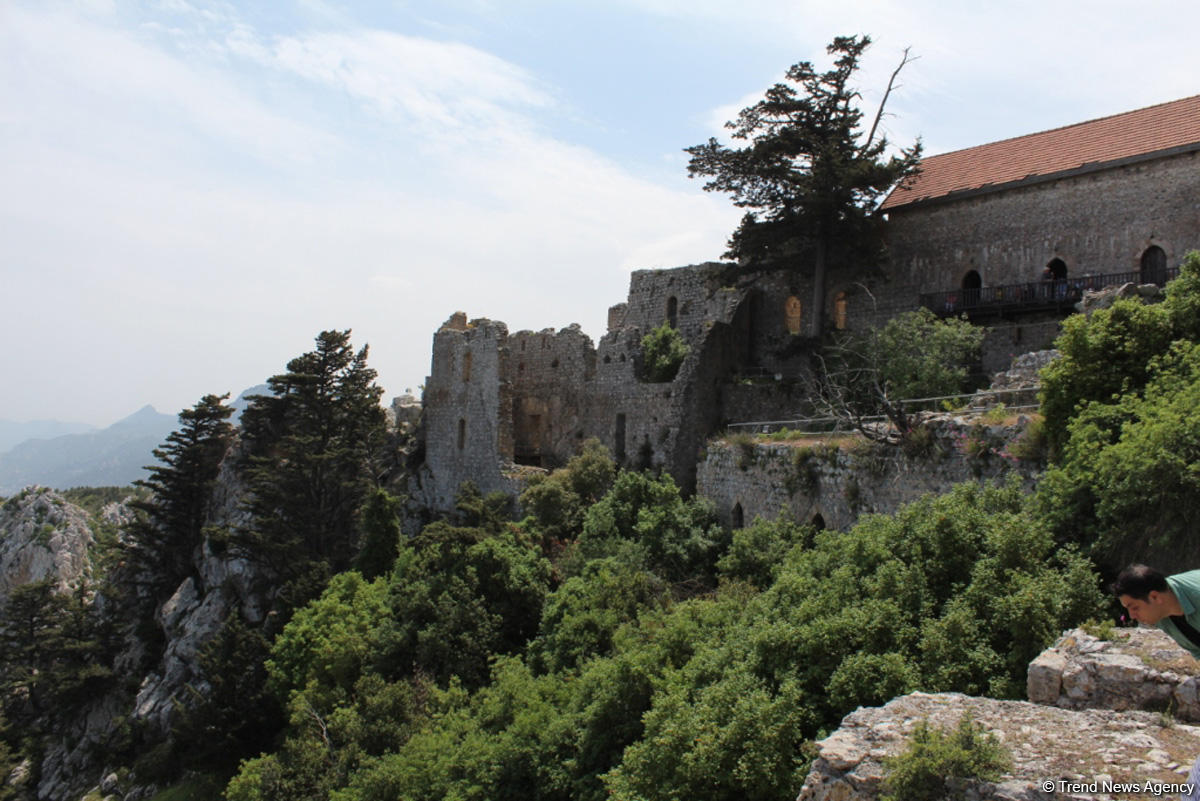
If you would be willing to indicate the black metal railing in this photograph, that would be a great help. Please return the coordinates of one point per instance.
(1060, 293)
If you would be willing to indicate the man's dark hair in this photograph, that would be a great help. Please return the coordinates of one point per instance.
(1138, 581)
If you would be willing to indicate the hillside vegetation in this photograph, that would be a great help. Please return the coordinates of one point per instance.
(616, 642)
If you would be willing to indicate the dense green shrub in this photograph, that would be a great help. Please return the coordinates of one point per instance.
(1126, 482)
(663, 351)
(1109, 353)
(937, 762)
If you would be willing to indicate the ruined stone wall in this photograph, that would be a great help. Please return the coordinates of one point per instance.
(1097, 223)
(694, 290)
(838, 484)
(468, 410)
(549, 372)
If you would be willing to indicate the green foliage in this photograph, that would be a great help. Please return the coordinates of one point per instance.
(1126, 481)
(557, 502)
(941, 366)
(380, 521)
(580, 618)
(645, 521)
(55, 652)
(237, 715)
(757, 551)
(313, 448)
(327, 644)
(663, 350)
(1031, 445)
(460, 595)
(866, 374)
(159, 545)
(1125, 339)
(1104, 630)
(939, 762)
(198, 787)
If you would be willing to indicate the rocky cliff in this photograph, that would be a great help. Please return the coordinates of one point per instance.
(43, 537)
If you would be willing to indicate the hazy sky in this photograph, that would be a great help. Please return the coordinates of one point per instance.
(190, 192)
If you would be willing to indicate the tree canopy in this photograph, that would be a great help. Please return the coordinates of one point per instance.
(810, 178)
(313, 446)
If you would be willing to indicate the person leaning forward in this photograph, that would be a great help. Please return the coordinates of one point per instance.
(1171, 603)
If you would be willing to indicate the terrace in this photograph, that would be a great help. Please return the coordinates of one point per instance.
(1060, 294)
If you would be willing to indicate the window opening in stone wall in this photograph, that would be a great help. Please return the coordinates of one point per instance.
(672, 312)
(466, 371)
(793, 313)
(462, 433)
(971, 284)
(840, 310)
(737, 518)
(619, 439)
(1154, 266)
(554, 364)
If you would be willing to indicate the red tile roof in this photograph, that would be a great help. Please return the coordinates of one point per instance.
(1086, 144)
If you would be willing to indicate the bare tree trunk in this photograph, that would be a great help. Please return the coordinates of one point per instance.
(817, 316)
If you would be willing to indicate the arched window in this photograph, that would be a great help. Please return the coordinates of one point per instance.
(793, 313)
(1154, 266)
(737, 518)
(672, 312)
(840, 310)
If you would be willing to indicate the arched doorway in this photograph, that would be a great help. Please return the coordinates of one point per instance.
(1154, 265)
(818, 522)
(737, 518)
(971, 284)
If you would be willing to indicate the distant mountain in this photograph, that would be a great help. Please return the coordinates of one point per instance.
(113, 456)
(243, 400)
(12, 433)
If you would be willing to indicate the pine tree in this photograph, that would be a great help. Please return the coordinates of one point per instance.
(160, 546)
(809, 177)
(313, 454)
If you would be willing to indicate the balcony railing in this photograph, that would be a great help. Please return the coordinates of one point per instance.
(1060, 294)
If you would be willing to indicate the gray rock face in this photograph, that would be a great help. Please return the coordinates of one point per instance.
(1104, 298)
(1070, 750)
(197, 610)
(1138, 668)
(42, 536)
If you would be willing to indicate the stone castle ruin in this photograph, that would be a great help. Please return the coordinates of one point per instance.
(1010, 234)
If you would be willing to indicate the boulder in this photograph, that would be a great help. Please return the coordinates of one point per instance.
(1134, 668)
(1073, 752)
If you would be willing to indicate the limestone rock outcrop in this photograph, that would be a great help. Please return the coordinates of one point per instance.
(1137, 668)
(1072, 752)
(42, 536)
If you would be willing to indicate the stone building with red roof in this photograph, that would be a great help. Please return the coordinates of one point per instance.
(1012, 232)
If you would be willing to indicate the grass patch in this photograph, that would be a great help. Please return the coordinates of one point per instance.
(201, 787)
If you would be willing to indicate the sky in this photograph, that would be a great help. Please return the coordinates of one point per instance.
(191, 191)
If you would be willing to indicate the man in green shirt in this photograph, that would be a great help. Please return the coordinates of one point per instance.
(1171, 603)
